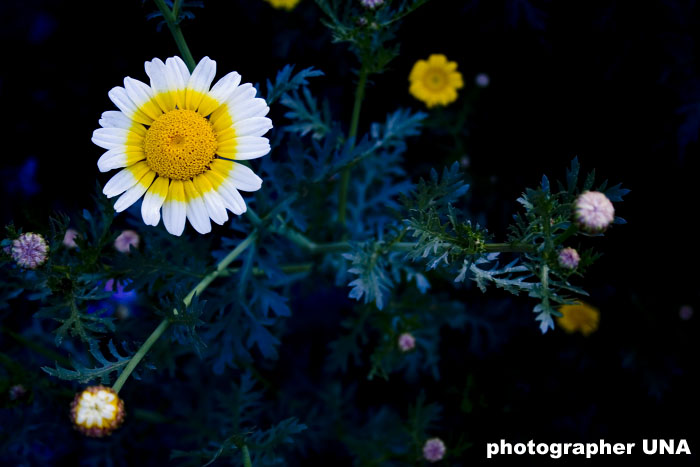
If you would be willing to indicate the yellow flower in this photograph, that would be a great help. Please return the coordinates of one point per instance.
(176, 140)
(435, 81)
(579, 317)
(283, 4)
(97, 411)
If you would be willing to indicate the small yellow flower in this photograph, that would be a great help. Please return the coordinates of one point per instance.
(283, 4)
(435, 81)
(579, 317)
(97, 411)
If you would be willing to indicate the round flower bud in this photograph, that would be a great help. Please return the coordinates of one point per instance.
(593, 211)
(406, 342)
(30, 250)
(482, 80)
(685, 312)
(569, 258)
(125, 240)
(17, 392)
(434, 450)
(69, 238)
(97, 411)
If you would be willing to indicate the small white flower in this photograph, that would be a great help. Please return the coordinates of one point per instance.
(593, 211)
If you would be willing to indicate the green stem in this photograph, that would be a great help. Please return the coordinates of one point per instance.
(138, 356)
(199, 288)
(246, 456)
(171, 21)
(221, 267)
(354, 122)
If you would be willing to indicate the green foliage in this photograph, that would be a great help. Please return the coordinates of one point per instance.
(85, 374)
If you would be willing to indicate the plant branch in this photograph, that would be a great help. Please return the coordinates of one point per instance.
(354, 122)
(171, 20)
(199, 288)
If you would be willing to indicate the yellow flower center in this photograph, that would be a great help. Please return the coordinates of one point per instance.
(435, 79)
(180, 144)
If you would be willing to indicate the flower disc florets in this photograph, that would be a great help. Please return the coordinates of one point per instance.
(97, 411)
(593, 211)
(30, 250)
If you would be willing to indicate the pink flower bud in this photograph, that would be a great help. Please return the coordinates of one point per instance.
(126, 239)
(569, 258)
(593, 211)
(434, 450)
(69, 238)
(406, 342)
(30, 250)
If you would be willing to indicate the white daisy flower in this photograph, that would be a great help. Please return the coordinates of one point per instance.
(176, 140)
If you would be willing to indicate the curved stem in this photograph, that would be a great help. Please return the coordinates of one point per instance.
(354, 122)
(246, 456)
(171, 21)
(199, 288)
(138, 356)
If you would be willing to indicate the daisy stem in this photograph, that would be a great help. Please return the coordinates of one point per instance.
(138, 356)
(171, 20)
(246, 456)
(354, 122)
(199, 288)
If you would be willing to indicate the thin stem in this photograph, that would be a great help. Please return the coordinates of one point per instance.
(221, 267)
(354, 122)
(171, 21)
(138, 356)
(199, 288)
(246, 456)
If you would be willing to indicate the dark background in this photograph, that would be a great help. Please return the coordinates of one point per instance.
(615, 83)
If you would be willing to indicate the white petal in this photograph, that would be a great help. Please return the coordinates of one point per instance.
(175, 212)
(196, 210)
(120, 98)
(244, 178)
(225, 86)
(110, 138)
(251, 147)
(118, 184)
(140, 93)
(256, 126)
(153, 200)
(112, 159)
(115, 119)
(135, 192)
(215, 207)
(252, 108)
(156, 71)
(199, 82)
(241, 94)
